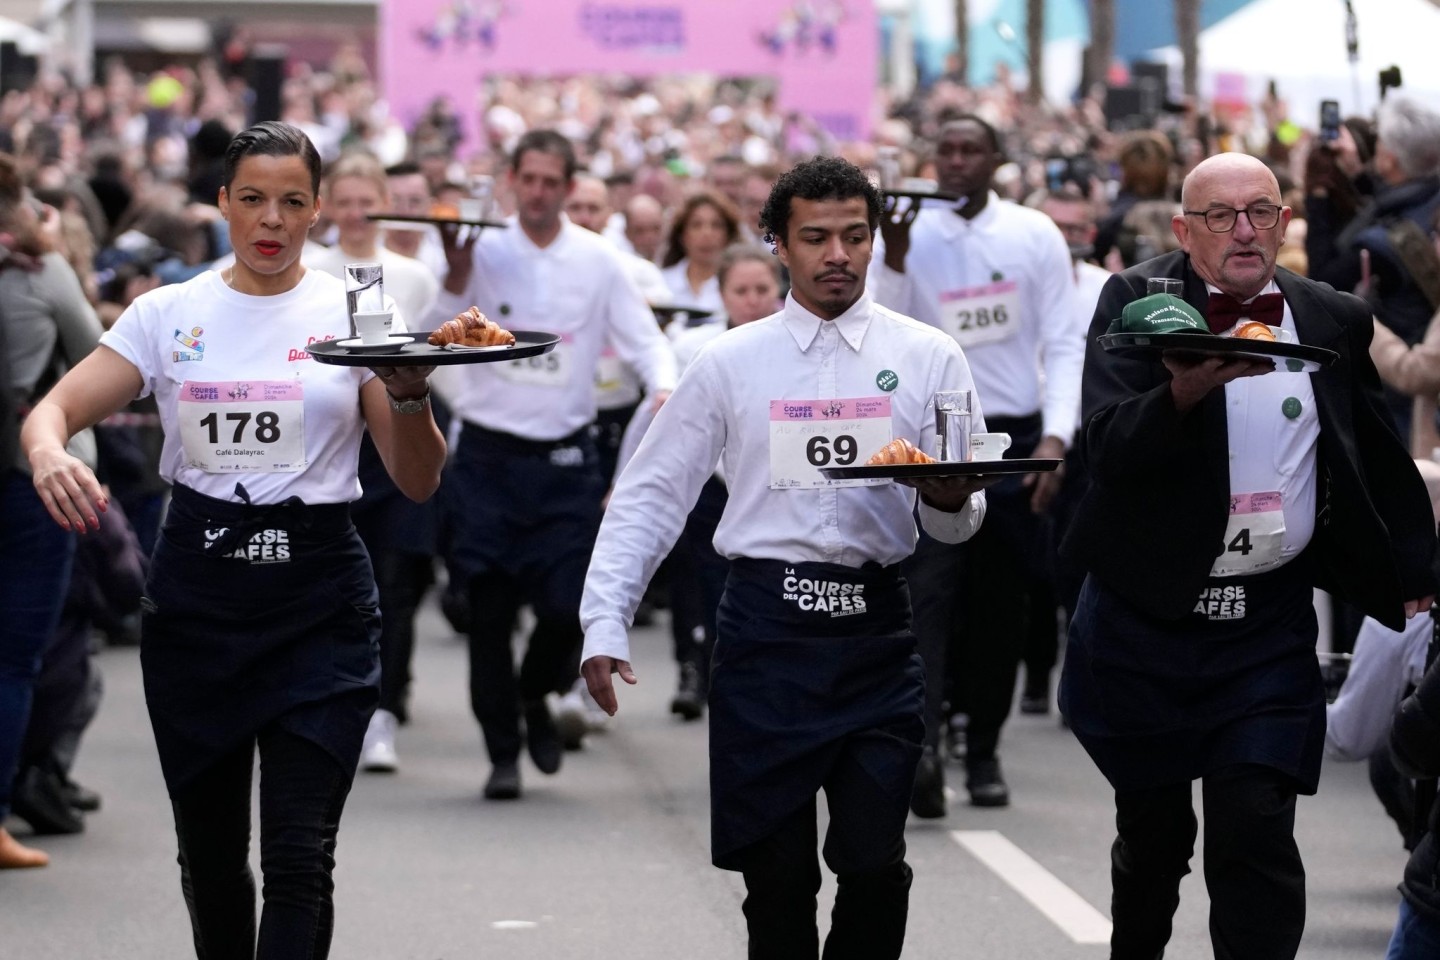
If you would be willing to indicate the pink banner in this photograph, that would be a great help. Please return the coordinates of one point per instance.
(822, 53)
(860, 408)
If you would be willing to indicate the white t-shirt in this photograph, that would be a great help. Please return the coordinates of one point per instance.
(231, 377)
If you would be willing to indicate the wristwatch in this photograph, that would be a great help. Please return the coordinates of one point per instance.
(413, 405)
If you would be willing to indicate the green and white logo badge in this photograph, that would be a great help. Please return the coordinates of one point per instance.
(887, 380)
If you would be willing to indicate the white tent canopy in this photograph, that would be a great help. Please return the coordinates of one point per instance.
(28, 41)
(1300, 44)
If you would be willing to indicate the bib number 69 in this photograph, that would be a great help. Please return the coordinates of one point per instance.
(821, 450)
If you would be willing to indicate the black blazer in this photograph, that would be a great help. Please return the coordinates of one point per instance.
(1153, 520)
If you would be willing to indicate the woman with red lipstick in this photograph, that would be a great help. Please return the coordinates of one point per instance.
(261, 614)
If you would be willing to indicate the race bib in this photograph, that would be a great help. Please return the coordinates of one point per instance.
(806, 435)
(1253, 536)
(243, 425)
(547, 370)
(977, 315)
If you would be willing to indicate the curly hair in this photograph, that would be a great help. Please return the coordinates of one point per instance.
(822, 178)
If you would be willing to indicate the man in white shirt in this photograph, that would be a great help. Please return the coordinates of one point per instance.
(996, 277)
(644, 226)
(410, 194)
(815, 678)
(526, 461)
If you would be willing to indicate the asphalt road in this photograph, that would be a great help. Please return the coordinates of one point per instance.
(609, 858)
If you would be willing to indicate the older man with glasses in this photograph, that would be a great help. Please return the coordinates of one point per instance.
(1219, 499)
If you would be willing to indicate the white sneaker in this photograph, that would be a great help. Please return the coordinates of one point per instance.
(570, 719)
(378, 752)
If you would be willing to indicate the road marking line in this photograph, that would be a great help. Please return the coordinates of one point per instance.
(1064, 907)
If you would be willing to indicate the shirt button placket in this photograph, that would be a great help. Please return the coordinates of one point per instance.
(829, 346)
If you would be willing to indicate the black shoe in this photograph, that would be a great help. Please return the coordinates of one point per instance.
(39, 800)
(985, 783)
(927, 800)
(541, 737)
(1036, 704)
(689, 700)
(504, 782)
(81, 798)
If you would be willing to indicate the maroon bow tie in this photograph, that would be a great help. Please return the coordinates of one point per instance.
(1224, 311)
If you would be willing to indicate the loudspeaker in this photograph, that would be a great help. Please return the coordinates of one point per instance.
(17, 71)
(267, 76)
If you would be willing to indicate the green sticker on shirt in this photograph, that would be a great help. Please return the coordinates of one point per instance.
(1291, 408)
(887, 380)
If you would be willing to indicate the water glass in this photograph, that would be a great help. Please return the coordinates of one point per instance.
(1156, 285)
(364, 289)
(952, 424)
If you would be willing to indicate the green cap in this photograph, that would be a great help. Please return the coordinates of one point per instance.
(1159, 313)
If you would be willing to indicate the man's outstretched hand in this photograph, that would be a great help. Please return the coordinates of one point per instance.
(597, 671)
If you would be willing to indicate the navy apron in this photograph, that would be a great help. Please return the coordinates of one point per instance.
(257, 615)
(807, 654)
(1236, 681)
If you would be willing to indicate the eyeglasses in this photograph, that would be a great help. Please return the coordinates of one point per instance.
(1262, 216)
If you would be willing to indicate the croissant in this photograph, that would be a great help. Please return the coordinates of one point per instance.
(472, 329)
(1254, 330)
(899, 451)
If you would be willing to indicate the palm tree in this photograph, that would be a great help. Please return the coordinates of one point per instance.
(1187, 34)
(962, 40)
(1102, 39)
(1035, 49)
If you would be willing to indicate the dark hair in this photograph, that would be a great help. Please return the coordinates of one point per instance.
(405, 168)
(675, 248)
(545, 141)
(982, 123)
(271, 138)
(822, 178)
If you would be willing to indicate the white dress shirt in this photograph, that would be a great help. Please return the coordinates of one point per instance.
(576, 287)
(722, 412)
(706, 298)
(1272, 452)
(1004, 243)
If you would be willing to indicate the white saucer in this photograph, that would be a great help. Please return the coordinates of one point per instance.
(387, 345)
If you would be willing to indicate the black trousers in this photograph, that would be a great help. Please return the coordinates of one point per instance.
(402, 579)
(302, 794)
(864, 846)
(1253, 871)
(497, 693)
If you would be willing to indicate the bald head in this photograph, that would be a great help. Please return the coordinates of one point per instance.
(1222, 167)
(588, 205)
(644, 224)
(1239, 260)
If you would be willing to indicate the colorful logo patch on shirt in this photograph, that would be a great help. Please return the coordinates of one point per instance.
(195, 349)
(887, 380)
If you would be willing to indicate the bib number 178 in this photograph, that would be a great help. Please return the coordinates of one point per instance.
(267, 426)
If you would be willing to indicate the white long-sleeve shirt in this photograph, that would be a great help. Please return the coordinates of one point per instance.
(1002, 286)
(732, 406)
(576, 287)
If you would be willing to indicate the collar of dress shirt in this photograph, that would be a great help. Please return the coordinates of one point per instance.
(1271, 287)
(523, 241)
(804, 326)
(953, 225)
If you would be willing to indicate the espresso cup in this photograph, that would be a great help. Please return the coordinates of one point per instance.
(373, 327)
(988, 446)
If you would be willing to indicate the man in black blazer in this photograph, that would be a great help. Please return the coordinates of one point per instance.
(1219, 498)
